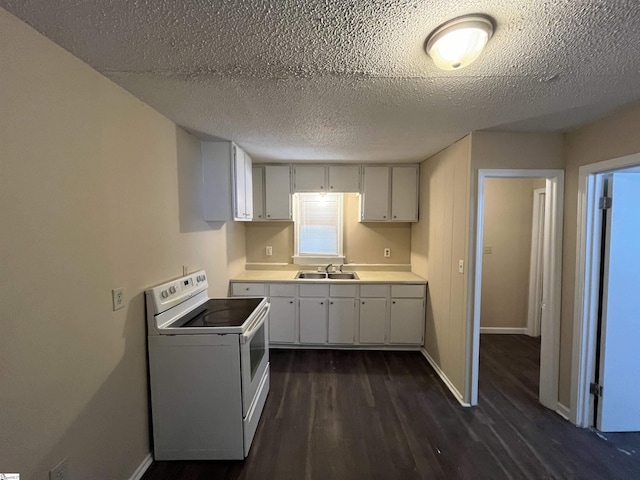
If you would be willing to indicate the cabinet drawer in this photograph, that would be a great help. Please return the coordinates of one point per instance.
(369, 291)
(342, 291)
(248, 289)
(282, 290)
(314, 290)
(407, 291)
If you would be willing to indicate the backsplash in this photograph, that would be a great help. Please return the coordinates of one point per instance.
(364, 243)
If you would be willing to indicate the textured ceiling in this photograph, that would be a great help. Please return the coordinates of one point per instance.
(349, 80)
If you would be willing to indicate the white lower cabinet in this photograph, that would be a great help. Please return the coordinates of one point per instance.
(407, 320)
(342, 320)
(282, 320)
(407, 314)
(373, 320)
(373, 313)
(313, 320)
(342, 314)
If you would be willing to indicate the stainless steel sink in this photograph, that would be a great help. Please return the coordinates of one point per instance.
(343, 276)
(330, 276)
(312, 275)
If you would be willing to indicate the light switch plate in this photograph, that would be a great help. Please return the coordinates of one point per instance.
(269, 250)
(460, 266)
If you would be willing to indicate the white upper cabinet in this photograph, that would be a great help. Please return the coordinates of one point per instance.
(389, 193)
(404, 193)
(272, 192)
(309, 178)
(258, 193)
(326, 178)
(227, 188)
(344, 178)
(277, 191)
(375, 194)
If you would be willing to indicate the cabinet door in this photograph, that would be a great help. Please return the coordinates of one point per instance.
(277, 180)
(342, 320)
(344, 178)
(373, 320)
(404, 194)
(243, 195)
(375, 194)
(248, 186)
(282, 320)
(407, 321)
(309, 178)
(313, 320)
(258, 193)
(239, 174)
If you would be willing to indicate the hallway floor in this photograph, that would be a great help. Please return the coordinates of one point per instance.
(336, 414)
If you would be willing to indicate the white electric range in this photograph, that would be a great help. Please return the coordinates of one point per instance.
(208, 369)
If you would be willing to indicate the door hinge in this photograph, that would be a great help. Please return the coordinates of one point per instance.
(605, 203)
(595, 389)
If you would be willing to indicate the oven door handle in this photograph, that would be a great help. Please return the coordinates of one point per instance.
(255, 325)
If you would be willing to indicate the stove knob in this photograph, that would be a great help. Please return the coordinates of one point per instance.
(164, 294)
(172, 290)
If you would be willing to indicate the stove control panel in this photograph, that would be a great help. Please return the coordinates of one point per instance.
(171, 293)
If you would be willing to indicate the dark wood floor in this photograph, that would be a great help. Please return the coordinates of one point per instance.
(385, 415)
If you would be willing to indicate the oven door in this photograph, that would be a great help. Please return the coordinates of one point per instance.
(254, 356)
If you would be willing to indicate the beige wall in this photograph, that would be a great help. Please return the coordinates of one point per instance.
(439, 240)
(96, 193)
(444, 234)
(612, 137)
(516, 151)
(363, 242)
(508, 213)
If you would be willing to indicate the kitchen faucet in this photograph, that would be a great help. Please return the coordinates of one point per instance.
(328, 267)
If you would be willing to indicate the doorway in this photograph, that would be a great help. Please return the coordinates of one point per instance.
(607, 315)
(550, 316)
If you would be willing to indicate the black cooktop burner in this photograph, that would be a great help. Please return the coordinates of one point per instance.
(219, 312)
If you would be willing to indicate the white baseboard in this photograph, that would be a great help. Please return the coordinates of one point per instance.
(503, 330)
(146, 463)
(445, 379)
(564, 412)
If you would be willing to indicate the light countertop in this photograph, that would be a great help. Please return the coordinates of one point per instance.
(365, 277)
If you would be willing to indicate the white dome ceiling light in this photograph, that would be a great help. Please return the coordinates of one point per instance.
(458, 42)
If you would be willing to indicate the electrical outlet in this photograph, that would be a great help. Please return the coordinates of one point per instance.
(269, 250)
(487, 249)
(387, 252)
(117, 296)
(59, 472)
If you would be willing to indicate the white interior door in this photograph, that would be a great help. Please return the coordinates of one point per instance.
(618, 407)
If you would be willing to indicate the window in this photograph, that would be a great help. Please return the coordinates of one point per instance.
(318, 228)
